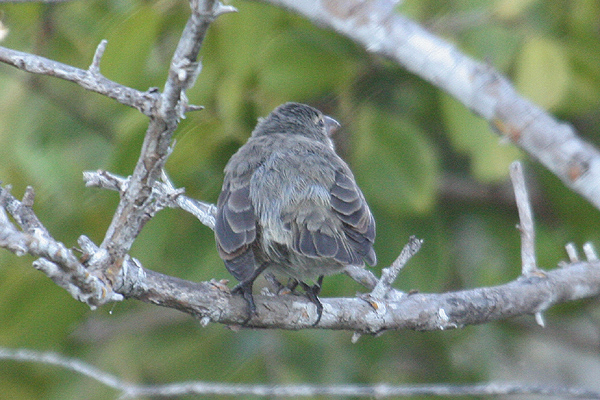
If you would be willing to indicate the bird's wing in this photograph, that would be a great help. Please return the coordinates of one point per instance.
(344, 232)
(235, 227)
(352, 209)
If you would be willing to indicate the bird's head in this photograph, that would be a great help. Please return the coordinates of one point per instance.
(298, 119)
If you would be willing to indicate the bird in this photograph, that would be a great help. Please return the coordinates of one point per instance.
(290, 205)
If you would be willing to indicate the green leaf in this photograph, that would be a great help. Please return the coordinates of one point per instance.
(129, 47)
(543, 72)
(498, 44)
(584, 86)
(303, 64)
(510, 9)
(472, 135)
(395, 164)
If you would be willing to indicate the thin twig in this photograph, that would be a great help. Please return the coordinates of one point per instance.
(94, 67)
(590, 252)
(105, 180)
(10, 238)
(528, 260)
(362, 276)
(377, 391)
(572, 252)
(75, 365)
(130, 390)
(389, 275)
(529, 265)
(90, 79)
(164, 191)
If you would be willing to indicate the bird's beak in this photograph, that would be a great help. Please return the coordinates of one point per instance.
(331, 125)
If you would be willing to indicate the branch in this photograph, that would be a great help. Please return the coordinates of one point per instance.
(137, 201)
(164, 191)
(130, 390)
(89, 79)
(529, 264)
(482, 89)
(389, 275)
(56, 261)
(212, 301)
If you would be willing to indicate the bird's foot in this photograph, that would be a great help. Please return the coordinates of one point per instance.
(245, 289)
(312, 293)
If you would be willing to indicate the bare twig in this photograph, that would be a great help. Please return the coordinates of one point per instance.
(481, 88)
(90, 79)
(105, 180)
(94, 67)
(526, 227)
(165, 193)
(57, 262)
(590, 252)
(529, 264)
(362, 276)
(204, 212)
(130, 390)
(11, 238)
(572, 252)
(389, 275)
(22, 211)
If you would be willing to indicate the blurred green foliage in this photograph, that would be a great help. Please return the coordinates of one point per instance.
(427, 166)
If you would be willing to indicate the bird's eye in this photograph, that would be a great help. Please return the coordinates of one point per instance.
(320, 123)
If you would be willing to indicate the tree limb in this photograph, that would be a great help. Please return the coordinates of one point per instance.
(212, 301)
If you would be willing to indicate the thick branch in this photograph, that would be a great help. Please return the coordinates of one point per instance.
(212, 301)
(421, 312)
(481, 88)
